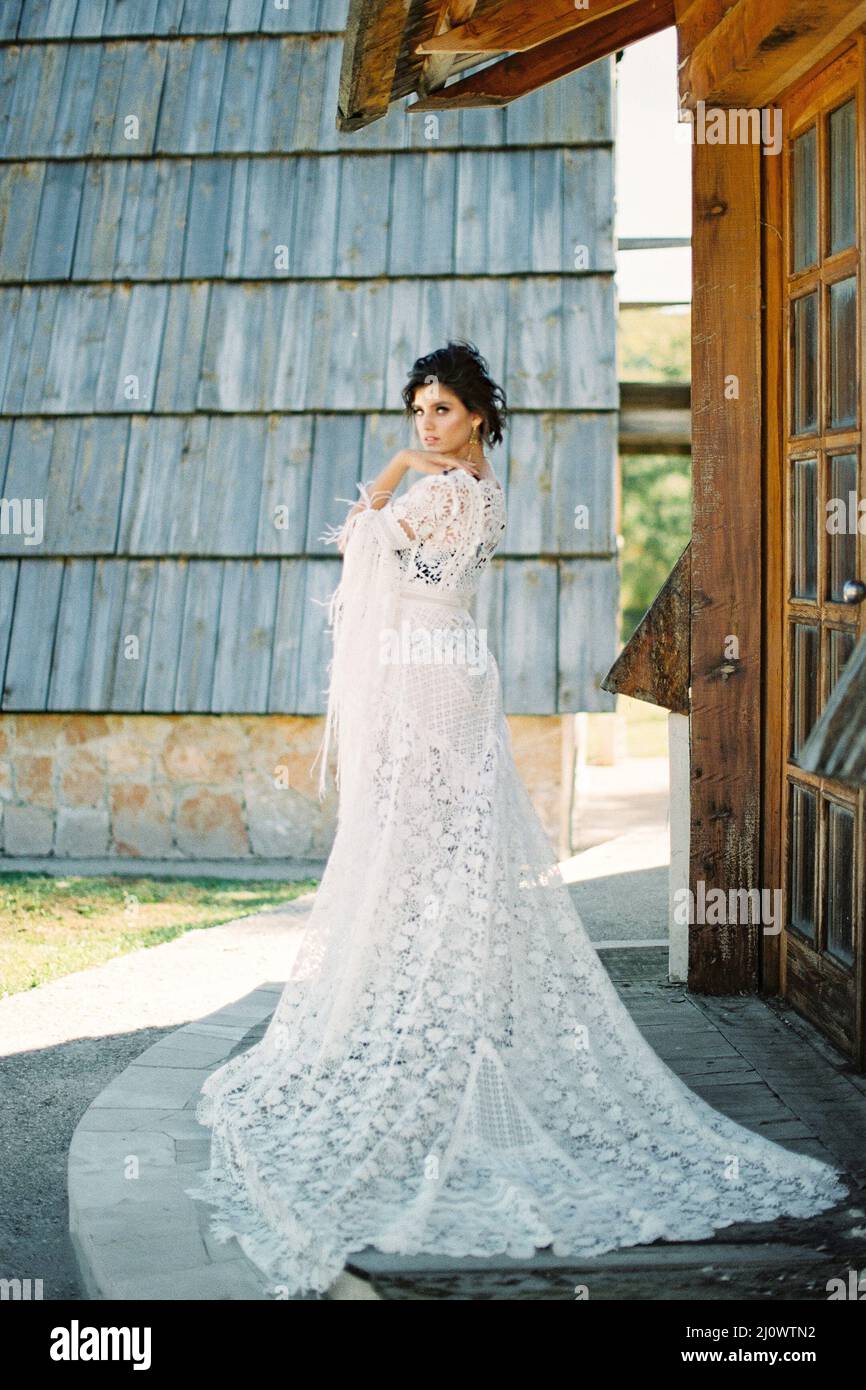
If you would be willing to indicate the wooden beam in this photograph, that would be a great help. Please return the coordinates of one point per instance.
(726, 626)
(654, 433)
(654, 663)
(438, 67)
(654, 303)
(514, 77)
(759, 48)
(654, 417)
(371, 47)
(515, 26)
(651, 243)
(695, 20)
(655, 395)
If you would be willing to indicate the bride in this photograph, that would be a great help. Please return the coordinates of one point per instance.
(449, 1069)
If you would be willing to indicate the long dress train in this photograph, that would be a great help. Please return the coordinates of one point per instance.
(449, 1068)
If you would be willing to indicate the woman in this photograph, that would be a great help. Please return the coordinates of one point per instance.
(449, 1069)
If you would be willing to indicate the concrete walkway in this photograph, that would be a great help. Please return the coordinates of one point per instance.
(143, 1238)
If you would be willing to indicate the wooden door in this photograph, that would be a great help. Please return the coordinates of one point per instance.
(814, 403)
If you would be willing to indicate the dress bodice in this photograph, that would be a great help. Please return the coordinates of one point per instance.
(457, 521)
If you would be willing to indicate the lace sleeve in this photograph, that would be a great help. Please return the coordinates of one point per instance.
(438, 509)
(392, 533)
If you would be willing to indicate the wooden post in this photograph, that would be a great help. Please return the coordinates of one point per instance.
(726, 557)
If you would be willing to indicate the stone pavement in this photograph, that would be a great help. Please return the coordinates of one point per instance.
(760, 1064)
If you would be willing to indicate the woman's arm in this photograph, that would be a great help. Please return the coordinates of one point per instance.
(380, 491)
(383, 488)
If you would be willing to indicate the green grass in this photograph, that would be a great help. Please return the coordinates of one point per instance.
(51, 926)
(656, 525)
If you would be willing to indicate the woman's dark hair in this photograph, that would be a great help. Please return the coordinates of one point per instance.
(461, 368)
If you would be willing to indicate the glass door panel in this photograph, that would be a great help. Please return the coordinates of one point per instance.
(839, 887)
(804, 353)
(804, 683)
(841, 646)
(843, 353)
(804, 542)
(804, 162)
(841, 152)
(804, 857)
(842, 524)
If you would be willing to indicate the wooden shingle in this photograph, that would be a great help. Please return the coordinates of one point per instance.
(209, 300)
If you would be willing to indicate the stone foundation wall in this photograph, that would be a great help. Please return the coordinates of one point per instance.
(198, 786)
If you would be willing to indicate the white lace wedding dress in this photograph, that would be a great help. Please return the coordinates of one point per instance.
(449, 1068)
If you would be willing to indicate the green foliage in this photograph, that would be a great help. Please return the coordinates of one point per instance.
(656, 526)
(654, 344)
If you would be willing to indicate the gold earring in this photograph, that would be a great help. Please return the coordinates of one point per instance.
(473, 440)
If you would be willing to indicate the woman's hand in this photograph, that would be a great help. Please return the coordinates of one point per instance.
(382, 488)
(429, 461)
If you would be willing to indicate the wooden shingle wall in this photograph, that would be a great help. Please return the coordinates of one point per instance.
(205, 325)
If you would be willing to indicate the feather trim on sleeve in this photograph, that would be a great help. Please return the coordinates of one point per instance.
(361, 606)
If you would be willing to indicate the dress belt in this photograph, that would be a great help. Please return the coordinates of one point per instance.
(430, 595)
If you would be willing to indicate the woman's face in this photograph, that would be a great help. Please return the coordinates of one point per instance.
(442, 420)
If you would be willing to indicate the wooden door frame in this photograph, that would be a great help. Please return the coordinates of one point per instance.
(773, 488)
(773, 273)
